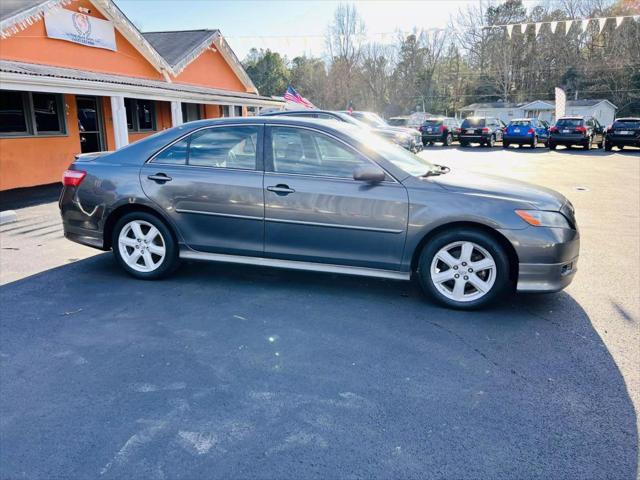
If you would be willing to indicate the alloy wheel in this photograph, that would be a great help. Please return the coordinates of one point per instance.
(463, 271)
(141, 246)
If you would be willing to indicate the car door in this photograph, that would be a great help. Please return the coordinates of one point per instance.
(598, 131)
(314, 209)
(210, 184)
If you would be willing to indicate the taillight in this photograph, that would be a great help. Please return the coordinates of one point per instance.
(441, 128)
(73, 178)
(553, 130)
(458, 130)
(531, 131)
(485, 130)
(581, 130)
(504, 129)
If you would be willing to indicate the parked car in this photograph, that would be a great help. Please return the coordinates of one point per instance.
(305, 194)
(442, 129)
(525, 131)
(624, 132)
(398, 121)
(485, 131)
(570, 131)
(406, 138)
(376, 121)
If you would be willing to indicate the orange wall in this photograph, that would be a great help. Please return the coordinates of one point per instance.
(30, 161)
(33, 46)
(211, 70)
(211, 111)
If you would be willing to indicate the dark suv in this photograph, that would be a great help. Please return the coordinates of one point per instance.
(485, 131)
(439, 130)
(569, 131)
(624, 132)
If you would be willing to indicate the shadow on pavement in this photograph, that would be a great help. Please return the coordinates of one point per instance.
(234, 372)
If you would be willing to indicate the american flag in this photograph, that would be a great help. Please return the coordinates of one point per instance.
(292, 96)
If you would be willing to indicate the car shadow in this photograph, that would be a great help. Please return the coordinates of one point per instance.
(225, 371)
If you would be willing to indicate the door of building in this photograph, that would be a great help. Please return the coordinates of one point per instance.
(90, 124)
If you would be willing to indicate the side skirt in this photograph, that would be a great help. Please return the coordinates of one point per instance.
(295, 265)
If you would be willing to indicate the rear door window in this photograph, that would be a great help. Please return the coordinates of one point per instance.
(224, 147)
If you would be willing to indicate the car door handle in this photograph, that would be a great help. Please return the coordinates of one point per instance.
(281, 189)
(160, 178)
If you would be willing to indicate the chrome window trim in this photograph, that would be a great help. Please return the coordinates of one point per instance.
(169, 145)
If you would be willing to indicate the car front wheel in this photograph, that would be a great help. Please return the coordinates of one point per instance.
(143, 246)
(463, 269)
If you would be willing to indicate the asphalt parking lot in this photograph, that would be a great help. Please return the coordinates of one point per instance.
(241, 372)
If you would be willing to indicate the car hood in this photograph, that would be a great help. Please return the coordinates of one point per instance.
(392, 132)
(500, 187)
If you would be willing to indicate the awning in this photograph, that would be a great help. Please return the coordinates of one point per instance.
(47, 78)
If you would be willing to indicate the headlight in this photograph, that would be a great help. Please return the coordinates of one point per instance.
(541, 218)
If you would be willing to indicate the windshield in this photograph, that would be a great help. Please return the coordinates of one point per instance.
(432, 122)
(401, 158)
(370, 119)
(473, 122)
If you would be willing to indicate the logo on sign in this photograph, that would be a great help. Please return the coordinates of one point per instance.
(82, 24)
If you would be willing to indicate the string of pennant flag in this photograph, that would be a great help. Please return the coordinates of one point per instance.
(582, 24)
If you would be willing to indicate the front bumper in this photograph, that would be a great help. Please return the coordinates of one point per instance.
(547, 257)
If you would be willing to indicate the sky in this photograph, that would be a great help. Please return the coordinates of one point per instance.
(289, 27)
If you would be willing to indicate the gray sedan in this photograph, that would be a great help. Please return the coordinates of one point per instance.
(320, 196)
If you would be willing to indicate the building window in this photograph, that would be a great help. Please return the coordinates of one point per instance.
(141, 114)
(225, 110)
(238, 111)
(27, 113)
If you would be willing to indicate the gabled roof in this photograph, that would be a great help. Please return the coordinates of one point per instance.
(176, 46)
(181, 47)
(570, 103)
(476, 106)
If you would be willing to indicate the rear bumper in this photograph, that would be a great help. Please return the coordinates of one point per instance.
(630, 141)
(474, 138)
(432, 137)
(519, 139)
(568, 139)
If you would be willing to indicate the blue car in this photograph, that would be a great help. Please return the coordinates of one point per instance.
(526, 131)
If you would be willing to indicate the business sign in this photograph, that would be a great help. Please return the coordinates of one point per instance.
(79, 28)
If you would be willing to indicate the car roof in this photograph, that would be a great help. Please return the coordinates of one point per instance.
(572, 117)
(522, 119)
(293, 112)
(635, 119)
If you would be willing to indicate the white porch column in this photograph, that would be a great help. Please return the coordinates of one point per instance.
(232, 110)
(176, 113)
(119, 114)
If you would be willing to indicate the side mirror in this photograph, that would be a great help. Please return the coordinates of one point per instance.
(369, 173)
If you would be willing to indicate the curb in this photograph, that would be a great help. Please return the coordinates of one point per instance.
(8, 216)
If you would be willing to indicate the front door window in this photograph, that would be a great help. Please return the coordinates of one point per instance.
(89, 124)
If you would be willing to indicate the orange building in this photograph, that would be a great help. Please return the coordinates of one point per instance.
(76, 76)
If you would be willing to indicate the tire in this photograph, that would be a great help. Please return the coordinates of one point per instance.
(505, 144)
(552, 146)
(484, 247)
(601, 144)
(464, 144)
(607, 146)
(620, 147)
(160, 257)
(448, 140)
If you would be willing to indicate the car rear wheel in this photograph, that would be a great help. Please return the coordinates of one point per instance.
(607, 146)
(143, 246)
(448, 140)
(464, 269)
(552, 146)
(505, 144)
(464, 144)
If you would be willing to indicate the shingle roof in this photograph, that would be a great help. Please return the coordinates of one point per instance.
(475, 106)
(175, 46)
(10, 8)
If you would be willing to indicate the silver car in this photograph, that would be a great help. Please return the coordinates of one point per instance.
(321, 196)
